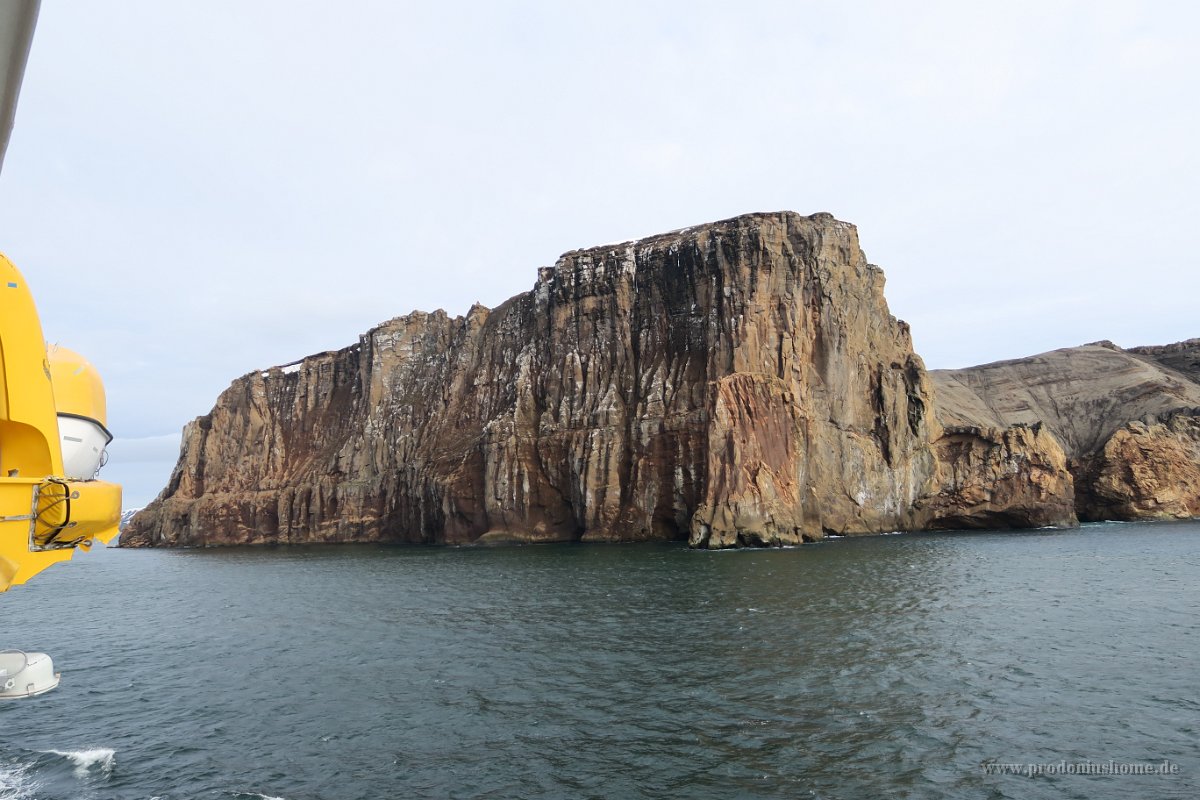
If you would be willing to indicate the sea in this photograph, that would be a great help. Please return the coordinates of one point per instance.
(1040, 664)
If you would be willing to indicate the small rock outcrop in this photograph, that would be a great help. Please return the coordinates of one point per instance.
(737, 383)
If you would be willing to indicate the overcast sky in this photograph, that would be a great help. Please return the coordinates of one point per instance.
(196, 190)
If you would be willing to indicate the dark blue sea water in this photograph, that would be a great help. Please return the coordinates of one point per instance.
(892, 666)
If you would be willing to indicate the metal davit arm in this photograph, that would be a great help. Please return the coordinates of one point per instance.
(17, 21)
(36, 529)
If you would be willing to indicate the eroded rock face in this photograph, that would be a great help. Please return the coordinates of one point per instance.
(739, 382)
(1145, 471)
(1014, 477)
(1125, 419)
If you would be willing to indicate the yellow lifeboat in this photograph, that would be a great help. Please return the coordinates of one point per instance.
(52, 438)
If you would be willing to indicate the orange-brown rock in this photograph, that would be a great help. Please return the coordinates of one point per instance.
(736, 383)
(1014, 477)
(1125, 419)
(1145, 471)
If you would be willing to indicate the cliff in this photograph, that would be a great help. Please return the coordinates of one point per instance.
(1000, 477)
(1128, 420)
(735, 383)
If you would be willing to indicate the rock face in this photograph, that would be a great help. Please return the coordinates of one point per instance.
(735, 383)
(1144, 471)
(1012, 477)
(1126, 419)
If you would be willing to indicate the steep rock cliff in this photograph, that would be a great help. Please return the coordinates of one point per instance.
(735, 383)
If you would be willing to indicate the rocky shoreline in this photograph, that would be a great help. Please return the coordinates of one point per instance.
(740, 383)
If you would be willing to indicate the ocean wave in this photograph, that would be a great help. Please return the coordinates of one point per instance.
(101, 758)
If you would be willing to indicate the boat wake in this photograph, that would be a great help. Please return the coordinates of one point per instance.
(15, 783)
(37, 774)
(42, 774)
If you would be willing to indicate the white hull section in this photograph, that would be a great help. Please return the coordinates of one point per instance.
(83, 443)
(25, 674)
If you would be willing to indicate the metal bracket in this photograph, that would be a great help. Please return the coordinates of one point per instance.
(52, 541)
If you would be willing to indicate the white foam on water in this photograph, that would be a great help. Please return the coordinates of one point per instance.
(103, 758)
(15, 784)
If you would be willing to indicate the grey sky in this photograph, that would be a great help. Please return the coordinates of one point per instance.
(198, 190)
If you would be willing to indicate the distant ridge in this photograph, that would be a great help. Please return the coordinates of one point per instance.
(1128, 420)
